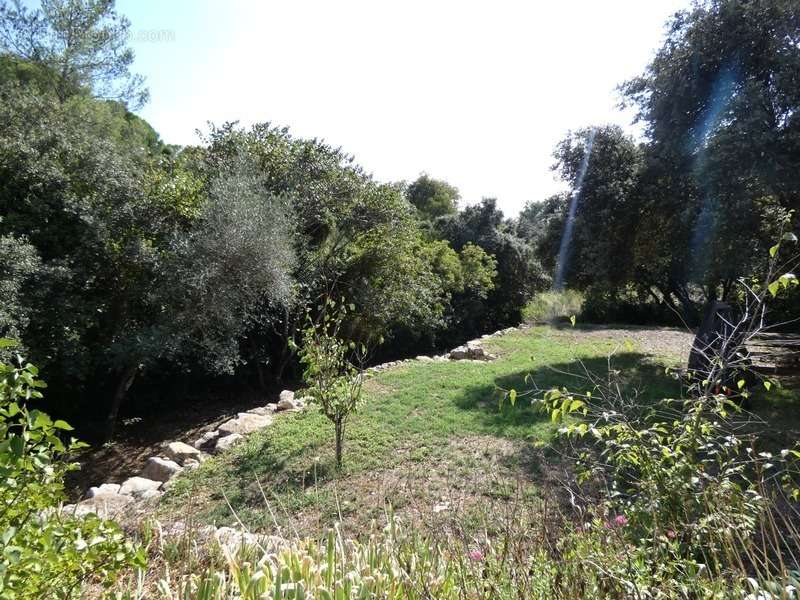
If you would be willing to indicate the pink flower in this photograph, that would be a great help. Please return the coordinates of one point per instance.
(476, 555)
(620, 520)
(671, 534)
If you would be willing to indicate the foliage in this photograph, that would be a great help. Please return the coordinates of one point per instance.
(681, 216)
(689, 473)
(237, 257)
(519, 273)
(332, 381)
(432, 197)
(43, 552)
(550, 306)
(79, 44)
(18, 262)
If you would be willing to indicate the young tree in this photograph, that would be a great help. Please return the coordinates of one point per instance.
(333, 380)
(79, 43)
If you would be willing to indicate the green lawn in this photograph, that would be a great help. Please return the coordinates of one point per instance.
(429, 438)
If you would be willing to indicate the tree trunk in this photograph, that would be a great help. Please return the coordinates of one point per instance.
(339, 442)
(125, 382)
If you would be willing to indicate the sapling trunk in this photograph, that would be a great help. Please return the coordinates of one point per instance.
(339, 425)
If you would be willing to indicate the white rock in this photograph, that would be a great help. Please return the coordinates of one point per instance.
(263, 410)
(160, 469)
(136, 486)
(227, 441)
(105, 505)
(424, 359)
(180, 452)
(244, 423)
(286, 395)
(207, 440)
(151, 495)
(104, 488)
(459, 353)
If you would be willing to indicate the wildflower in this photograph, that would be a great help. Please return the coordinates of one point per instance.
(671, 534)
(476, 555)
(620, 520)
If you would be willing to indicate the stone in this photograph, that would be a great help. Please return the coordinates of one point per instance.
(151, 495)
(105, 505)
(207, 440)
(263, 410)
(180, 452)
(459, 353)
(244, 423)
(103, 488)
(424, 359)
(227, 441)
(472, 350)
(191, 464)
(160, 469)
(136, 486)
(285, 395)
(287, 405)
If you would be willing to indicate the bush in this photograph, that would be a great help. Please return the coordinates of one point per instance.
(43, 552)
(552, 306)
(625, 306)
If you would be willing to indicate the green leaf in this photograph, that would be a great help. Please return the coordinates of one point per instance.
(512, 396)
(774, 287)
(740, 383)
(17, 446)
(767, 385)
(59, 424)
(572, 320)
(789, 237)
(774, 250)
(7, 343)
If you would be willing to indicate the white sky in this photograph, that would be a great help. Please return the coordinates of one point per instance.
(476, 93)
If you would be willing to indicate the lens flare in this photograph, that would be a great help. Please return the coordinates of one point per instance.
(566, 238)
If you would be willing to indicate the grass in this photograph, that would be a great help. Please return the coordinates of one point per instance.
(430, 438)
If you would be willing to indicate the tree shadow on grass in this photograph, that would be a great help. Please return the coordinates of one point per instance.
(641, 375)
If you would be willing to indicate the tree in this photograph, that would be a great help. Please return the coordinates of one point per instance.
(602, 166)
(719, 102)
(333, 381)
(432, 197)
(80, 44)
(518, 272)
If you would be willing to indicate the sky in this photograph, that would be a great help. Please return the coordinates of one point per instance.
(476, 93)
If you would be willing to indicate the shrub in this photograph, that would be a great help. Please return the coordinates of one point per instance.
(552, 306)
(43, 552)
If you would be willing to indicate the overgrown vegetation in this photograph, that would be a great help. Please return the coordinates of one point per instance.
(45, 553)
(574, 465)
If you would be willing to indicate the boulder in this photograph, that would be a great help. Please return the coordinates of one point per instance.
(180, 452)
(263, 410)
(136, 486)
(151, 495)
(104, 488)
(472, 350)
(459, 353)
(225, 442)
(105, 505)
(243, 424)
(285, 395)
(160, 469)
(207, 440)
